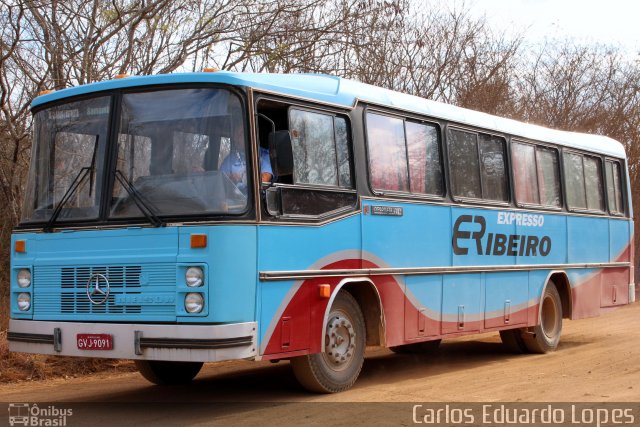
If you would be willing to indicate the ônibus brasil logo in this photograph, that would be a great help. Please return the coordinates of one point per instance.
(28, 414)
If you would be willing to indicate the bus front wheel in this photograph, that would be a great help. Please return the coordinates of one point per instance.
(546, 335)
(338, 366)
(167, 373)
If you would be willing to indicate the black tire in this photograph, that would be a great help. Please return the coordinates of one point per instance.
(512, 339)
(546, 335)
(337, 368)
(416, 348)
(167, 373)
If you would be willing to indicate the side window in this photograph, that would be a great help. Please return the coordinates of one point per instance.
(320, 149)
(525, 178)
(536, 175)
(423, 152)
(593, 183)
(583, 180)
(404, 156)
(478, 166)
(614, 187)
(464, 165)
(387, 154)
(493, 166)
(548, 176)
(574, 181)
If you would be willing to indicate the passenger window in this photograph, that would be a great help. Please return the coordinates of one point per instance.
(423, 151)
(404, 156)
(593, 183)
(493, 168)
(463, 164)
(536, 175)
(387, 153)
(574, 181)
(583, 179)
(478, 166)
(548, 176)
(524, 173)
(614, 187)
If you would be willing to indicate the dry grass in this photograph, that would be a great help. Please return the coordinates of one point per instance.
(15, 367)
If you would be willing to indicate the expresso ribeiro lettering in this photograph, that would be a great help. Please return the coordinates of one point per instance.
(469, 232)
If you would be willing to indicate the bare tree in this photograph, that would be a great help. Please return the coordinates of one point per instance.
(593, 89)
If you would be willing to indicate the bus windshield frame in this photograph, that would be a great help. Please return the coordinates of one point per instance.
(169, 152)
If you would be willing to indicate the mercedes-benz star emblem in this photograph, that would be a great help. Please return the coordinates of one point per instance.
(98, 288)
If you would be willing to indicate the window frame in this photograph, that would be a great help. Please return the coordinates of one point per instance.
(535, 145)
(582, 154)
(404, 118)
(507, 159)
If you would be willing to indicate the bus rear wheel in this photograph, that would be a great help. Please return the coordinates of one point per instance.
(167, 373)
(416, 348)
(546, 335)
(338, 366)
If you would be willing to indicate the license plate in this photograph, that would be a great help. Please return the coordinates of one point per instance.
(94, 341)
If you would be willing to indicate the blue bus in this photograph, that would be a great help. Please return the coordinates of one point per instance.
(189, 218)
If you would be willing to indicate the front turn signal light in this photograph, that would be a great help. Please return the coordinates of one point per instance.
(20, 246)
(198, 241)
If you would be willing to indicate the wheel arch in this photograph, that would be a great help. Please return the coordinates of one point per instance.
(563, 285)
(364, 291)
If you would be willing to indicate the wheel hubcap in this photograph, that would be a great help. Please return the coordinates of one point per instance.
(339, 341)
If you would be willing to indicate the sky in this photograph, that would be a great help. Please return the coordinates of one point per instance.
(608, 22)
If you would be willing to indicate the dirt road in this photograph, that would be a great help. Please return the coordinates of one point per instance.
(598, 361)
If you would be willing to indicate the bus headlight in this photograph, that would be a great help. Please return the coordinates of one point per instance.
(194, 277)
(193, 302)
(24, 278)
(24, 301)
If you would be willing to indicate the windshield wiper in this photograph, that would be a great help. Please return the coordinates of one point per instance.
(143, 205)
(82, 174)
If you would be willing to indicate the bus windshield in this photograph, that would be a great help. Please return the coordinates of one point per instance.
(179, 152)
(69, 140)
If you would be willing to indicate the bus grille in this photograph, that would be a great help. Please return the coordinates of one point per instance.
(122, 280)
(61, 292)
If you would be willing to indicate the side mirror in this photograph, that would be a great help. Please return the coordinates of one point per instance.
(281, 152)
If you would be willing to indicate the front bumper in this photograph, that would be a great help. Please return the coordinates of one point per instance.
(188, 343)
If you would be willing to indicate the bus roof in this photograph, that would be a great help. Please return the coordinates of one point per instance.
(346, 93)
